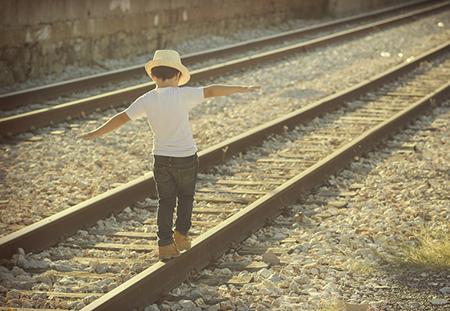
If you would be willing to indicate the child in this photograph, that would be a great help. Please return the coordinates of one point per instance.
(175, 154)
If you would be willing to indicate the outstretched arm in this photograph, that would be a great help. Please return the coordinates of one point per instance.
(117, 121)
(224, 90)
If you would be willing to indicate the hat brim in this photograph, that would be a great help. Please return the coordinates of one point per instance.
(185, 75)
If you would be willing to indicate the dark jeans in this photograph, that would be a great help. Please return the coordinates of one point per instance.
(175, 179)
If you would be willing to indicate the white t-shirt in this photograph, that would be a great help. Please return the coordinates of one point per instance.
(167, 110)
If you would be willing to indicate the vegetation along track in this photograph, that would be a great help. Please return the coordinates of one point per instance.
(21, 122)
(234, 198)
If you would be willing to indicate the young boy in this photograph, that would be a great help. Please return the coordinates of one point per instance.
(175, 154)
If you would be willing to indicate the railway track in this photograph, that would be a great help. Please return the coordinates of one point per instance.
(88, 212)
(21, 122)
(32, 95)
(234, 198)
(319, 238)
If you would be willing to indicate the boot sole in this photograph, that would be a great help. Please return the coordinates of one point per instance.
(168, 258)
(182, 248)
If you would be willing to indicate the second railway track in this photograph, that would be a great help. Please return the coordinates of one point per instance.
(32, 95)
(234, 198)
(21, 122)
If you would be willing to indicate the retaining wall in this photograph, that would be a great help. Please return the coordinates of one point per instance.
(40, 37)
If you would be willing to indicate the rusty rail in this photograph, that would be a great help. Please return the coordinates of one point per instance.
(50, 230)
(24, 97)
(147, 287)
(42, 117)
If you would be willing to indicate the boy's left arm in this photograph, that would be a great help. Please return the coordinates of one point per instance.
(225, 90)
(115, 122)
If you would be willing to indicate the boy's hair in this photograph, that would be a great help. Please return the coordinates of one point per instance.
(164, 72)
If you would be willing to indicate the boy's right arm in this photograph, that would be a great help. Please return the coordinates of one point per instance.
(224, 90)
(117, 121)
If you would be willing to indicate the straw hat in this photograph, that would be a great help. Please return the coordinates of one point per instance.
(169, 58)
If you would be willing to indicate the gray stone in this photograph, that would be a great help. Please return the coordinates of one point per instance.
(338, 204)
(299, 217)
(152, 307)
(314, 271)
(301, 279)
(42, 287)
(439, 302)
(67, 280)
(17, 271)
(6, 277)
(19, 260)
(26, 304)
(88, 299)
(34, 264)
(62, 267)
(206, 291)
(276, 278)
(226, 305)
(80, 305)
(270, 258)
(356, 186)
(101, 268)
(293, 286)
(214, 308)
(27, 283)
(35, 138)
(200, 302)
(445, 290)
(195, 293)
(13, 294)
(186, 304)
(264, 273)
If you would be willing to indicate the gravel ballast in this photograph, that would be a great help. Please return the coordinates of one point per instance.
(186, 46)
(183, 46)
(81, 265)
(143, 78)
(51, 169)
(332, 250)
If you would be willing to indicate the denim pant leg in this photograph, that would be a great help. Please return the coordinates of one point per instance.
(186, 177)
(166, 188)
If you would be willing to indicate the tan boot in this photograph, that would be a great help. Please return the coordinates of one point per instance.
(182, 241)
(168, 251)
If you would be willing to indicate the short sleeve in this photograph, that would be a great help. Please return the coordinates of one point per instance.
(192, 96)
(137, 109)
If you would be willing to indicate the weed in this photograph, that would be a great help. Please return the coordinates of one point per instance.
(430, 250)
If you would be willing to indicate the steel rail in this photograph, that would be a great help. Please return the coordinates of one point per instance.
(148, 286)
(50, 230)
(42, 117)
(19, 98)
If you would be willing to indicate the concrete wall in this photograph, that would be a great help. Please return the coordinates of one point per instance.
(338, 8)
(39, 37)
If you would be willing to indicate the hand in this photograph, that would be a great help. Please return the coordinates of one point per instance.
(88, 136)
(252, 88)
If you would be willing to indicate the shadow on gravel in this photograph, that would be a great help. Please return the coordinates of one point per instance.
(409, 290)
(420, 287)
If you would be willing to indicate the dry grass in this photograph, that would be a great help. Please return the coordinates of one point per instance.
(358, 266)
(339, 305)
(431, 250)
(332, 306)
